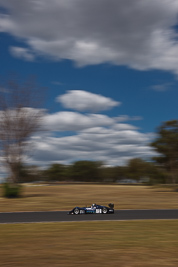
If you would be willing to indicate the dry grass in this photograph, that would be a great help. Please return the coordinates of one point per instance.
(123, 244)
(65, 197)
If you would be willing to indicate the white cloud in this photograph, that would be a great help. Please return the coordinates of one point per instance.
(123, 118)
(86, 101)
(161, 87)
(73, 121)
(139, 33)
(22, 53)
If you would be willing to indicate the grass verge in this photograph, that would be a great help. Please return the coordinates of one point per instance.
(133, 244)
(65, 197)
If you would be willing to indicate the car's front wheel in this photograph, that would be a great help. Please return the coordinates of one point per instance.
(76, 211)
(105, 210)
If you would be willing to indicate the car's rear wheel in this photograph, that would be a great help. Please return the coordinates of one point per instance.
(76, 211)
(105, 210)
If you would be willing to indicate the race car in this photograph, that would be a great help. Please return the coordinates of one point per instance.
(94, 208)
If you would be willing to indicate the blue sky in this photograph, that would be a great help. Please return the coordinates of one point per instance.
(110, 67)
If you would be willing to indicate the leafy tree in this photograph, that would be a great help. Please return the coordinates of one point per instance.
(56, 172)
(88, 171)
(19, 119)
(137, 169)
(114, 173)
(141, 170)
(166, 144)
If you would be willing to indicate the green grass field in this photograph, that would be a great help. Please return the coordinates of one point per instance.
(115, 244)
(65, 197)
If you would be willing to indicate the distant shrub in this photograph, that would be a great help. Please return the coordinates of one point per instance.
(11, 190)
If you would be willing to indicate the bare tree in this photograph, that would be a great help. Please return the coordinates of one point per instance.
(20, 117)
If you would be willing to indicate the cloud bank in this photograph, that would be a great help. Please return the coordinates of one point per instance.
(72, 136)
(140, 34)
(113, 145)
(69, 136)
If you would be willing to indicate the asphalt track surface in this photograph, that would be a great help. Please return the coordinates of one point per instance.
(62, 216)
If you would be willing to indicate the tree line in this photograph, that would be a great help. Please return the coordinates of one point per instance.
(136, 171)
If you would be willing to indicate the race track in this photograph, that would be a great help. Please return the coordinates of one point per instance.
(62, 216)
